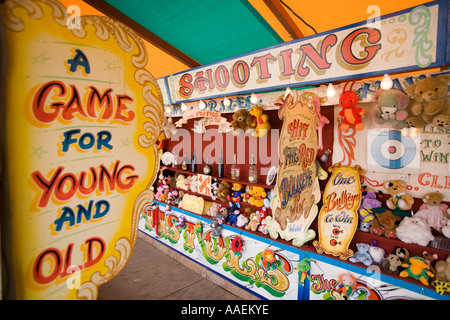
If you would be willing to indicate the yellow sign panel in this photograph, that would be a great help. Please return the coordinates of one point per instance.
(82, 116)
(338, 217)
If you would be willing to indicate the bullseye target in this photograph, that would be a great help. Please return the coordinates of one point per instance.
(391, 150)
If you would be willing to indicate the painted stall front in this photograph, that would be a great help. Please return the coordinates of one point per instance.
(81, 117)
(342, 178)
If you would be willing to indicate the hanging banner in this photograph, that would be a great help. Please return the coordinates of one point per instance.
(297, 186)
(338, 217)
(398, 42)
(81, 119)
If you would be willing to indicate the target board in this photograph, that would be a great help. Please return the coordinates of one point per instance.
(391, 150)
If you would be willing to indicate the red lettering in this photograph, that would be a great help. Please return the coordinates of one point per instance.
(122, 108)
(372, 36)
(94, 95)
(200, 81)
(263, 65)
(57, 257)
(39, 107)
(90, 251)
(186, 87)
(319, 60)
(287, 63)
(46, 110)
(222, 73)
(241, 72)
(64, 186)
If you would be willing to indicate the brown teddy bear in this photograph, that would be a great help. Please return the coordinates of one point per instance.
(255, 219)
(399, 202)
(223, 191)
(384, 224)
(242, 120)
(433, 211)
(431, 103)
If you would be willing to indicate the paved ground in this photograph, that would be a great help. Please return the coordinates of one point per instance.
(152, 275)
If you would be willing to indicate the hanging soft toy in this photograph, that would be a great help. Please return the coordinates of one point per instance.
(350, 114)
(322, 122)
(261, 124)
(391, 107)
(303, 267)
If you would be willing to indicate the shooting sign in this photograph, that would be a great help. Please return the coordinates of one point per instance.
(297, 185)
(338, 217)
(82, 116)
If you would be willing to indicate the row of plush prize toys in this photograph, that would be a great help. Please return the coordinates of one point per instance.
(234, 194)
(396, 221)
(171, 190)
(252, 121)
(425, 102)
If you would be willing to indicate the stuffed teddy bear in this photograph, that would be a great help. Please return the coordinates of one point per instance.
(414, 230)
(236, 192)
(391, 264)
(257, 195)
(432, 210)
(181, 182)
(443, 270)
(214, 209)
(263, 226)
(431, 104)
(391, 107)
(261, 122)
(384, 224)
(242, 121)
(246, 195)
(223, 191)
(254, 220)
(400, 203)
(416, 269)
(362, 255)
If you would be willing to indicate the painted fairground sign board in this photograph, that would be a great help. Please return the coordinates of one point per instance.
(269, 270)
(262, 267)
(328, 281)
(296, 188)
(82, 116)
(338, 217)
(401, 41)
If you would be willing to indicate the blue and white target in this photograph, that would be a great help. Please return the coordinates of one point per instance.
(391, 150)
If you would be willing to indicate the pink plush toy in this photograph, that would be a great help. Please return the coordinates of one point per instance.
(432, 210)
(322, 121)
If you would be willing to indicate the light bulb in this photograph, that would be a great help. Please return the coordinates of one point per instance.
(288, 92)
(226, 102)
(183, 107)
(201, 105)
(253, 98)
(386, 83)
(168, 111)
(331, 92)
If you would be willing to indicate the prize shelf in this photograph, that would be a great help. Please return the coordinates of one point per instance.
(243, 183)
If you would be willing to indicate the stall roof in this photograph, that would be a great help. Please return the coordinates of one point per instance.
(181, 35)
